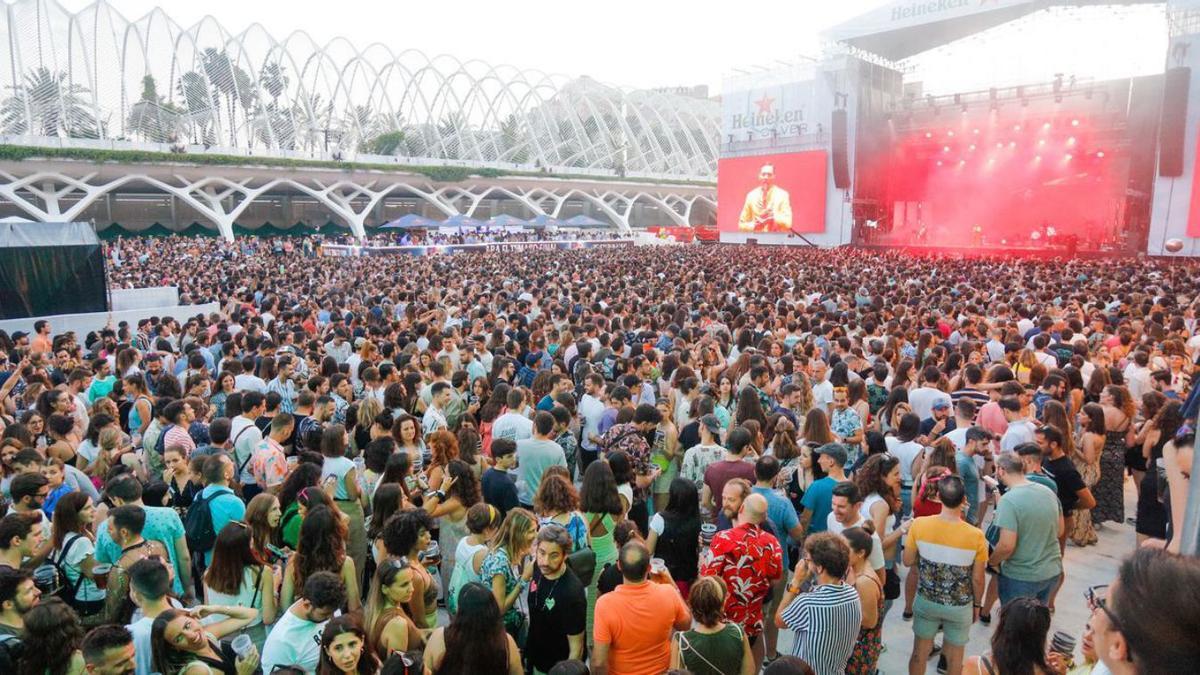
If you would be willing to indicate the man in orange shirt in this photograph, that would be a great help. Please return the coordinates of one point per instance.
(633, 623)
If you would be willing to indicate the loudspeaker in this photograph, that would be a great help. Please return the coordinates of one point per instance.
(841, 159)
(1174, 121)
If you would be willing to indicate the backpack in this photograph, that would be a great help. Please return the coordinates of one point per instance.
(198, 527)
(12, 649)
(65, 589)
(160, 443)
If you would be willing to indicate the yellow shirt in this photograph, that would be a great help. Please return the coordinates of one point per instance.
(777, 203)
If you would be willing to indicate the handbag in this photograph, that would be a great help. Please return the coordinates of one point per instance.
(583, 561)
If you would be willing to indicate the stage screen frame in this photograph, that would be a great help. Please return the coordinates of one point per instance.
(802, 175)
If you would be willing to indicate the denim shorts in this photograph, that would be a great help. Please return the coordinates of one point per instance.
(954, 620)
(1011, 589)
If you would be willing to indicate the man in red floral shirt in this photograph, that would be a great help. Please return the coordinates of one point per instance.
(748, 558)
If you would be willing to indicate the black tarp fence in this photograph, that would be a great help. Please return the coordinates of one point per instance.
(50, 268)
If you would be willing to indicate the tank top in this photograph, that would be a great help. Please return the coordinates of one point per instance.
(337, 467)
(865, 512)
(247, 595)
(464, 571)
(717, 653)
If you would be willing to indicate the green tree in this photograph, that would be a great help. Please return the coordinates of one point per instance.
(152, 118)
(48, 104)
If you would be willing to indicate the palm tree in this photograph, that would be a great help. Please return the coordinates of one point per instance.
(514, 143)
(48, 104)
(198, 107)
(155, 120)
(230, 81)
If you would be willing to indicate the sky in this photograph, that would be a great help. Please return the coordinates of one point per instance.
(661, 43)
(631, 43)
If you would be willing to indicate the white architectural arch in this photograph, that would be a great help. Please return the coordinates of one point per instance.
(62, 194)
(95, 74)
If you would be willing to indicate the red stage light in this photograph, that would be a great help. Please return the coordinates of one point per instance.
(999, 145)
(1068, 157)
(962, 162)
(1074, 123)
(1012, 144)
(976, 131)
(1071, 141)
(939, 162)
(1042, 142)
(1017, 127)
(945, 148)
(1038, 158)
(928, 134)
(972, 147)
(1046, 125)
(950, 134)
(1100, 154)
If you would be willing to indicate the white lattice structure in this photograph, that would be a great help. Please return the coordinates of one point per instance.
(96, 74)
(65, 191)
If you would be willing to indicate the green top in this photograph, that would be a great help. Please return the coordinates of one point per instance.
(1031, 510)
(718, 653)
(290, 526)
(604, 546)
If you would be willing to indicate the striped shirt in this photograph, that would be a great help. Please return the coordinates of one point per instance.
(826, 621)
(974, 395)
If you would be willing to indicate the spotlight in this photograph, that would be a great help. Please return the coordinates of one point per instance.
(950, 134)
(1046, 125)
(1074, 123)
(1068, 157)
(1100, 154)
(945, 148)
(976, 132)
(939, 162)
(1017, 127)
(999, 145)
(1071, 141)
(962, 162)
(972, 147)
(928, 134)
(1012, 144)
(1042, 142)
(1038, 158)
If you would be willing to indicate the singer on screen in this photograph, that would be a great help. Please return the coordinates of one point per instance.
(767, 207)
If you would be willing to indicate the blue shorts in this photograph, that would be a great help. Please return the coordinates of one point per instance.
(1011, 589)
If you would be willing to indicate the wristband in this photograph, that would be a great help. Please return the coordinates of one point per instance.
(794, 590)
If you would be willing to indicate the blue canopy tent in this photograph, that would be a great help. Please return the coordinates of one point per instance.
(505, 220)
(541, 221)
(587, 222)
(463, 222)
(410, 222)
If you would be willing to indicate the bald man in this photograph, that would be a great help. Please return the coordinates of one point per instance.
(748, 558)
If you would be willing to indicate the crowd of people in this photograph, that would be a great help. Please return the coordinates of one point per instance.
(711, 460)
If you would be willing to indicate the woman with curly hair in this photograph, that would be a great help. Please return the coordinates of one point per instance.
(557, 501)
(444, 447)
(321, 549)
(52, 637)
(878, 481)
(408, 534)
(457, 492)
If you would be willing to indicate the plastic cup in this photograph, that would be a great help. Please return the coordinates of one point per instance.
(658, 565)
(100, 575)
(242, 645)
